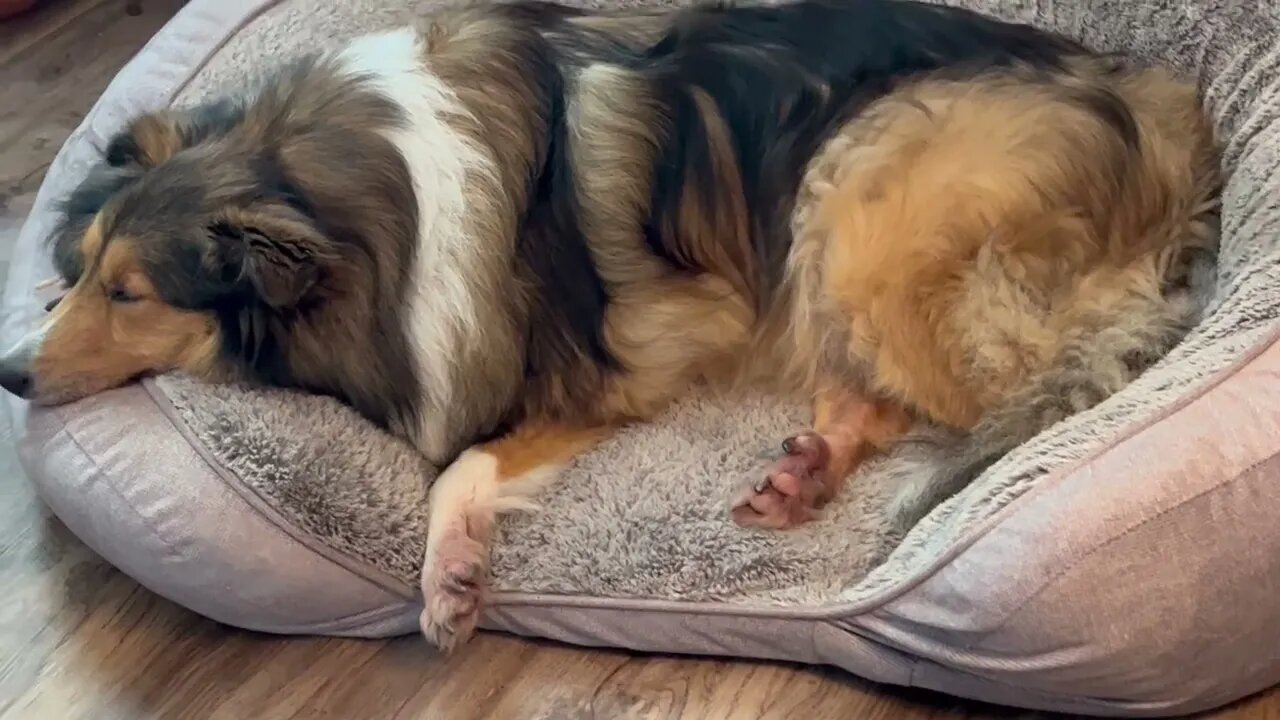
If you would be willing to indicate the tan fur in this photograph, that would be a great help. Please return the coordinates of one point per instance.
(157, 137)
(93, 343)
(668, 334)
(855, 427)
(665, 328)
(964, 231)
(534, 447)
(92, 240)
(616, 128)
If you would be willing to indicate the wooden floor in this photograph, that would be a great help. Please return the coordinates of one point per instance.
(80, 640)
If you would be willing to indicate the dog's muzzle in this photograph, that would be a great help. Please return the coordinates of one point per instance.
(16, 365)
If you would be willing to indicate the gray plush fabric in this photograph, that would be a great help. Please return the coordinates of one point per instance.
(650, 503)
(645, 514)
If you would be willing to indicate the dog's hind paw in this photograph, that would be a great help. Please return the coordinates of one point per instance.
(792, 490)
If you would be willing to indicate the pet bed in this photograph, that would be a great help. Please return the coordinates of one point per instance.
(1125, 562)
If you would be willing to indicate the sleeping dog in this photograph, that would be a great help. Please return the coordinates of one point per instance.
(506, 233)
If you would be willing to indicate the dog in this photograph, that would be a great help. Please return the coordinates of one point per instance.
(505, 233)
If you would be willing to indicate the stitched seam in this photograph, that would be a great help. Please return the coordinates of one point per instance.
(264, 509)
(169, 545)
(344, 623)
(244, 22)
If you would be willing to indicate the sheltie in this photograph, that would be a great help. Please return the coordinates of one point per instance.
(505, 233)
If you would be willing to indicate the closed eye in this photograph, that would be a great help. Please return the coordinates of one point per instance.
(120, 295)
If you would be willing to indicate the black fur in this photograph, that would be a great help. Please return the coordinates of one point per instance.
(566, 297)
(77, 212)
(785, 78)
(568, 303)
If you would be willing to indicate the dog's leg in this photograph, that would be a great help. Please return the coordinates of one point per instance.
(487, 479)
(848, 428)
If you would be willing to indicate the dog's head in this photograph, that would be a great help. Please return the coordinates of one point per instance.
(183, 228)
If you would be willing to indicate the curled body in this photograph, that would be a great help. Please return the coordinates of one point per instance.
(505, 233)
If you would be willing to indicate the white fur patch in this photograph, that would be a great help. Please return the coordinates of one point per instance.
(472, 482)
(468, 486)
(471, 489)
(440, 160)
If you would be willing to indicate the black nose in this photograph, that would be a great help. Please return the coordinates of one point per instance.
(15, 380)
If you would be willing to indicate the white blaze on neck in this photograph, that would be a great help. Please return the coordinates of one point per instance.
(440, 159)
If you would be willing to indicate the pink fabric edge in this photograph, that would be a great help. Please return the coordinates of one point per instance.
(263, 507)
(801, 640)
(55, 425)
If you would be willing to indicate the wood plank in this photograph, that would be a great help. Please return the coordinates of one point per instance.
(20, 34)
(54, 63)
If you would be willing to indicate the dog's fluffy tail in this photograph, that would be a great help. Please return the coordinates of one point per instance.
(1109, 350)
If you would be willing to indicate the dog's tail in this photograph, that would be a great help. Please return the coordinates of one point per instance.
(1109, 349)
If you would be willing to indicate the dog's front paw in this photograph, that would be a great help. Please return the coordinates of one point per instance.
(453, 588)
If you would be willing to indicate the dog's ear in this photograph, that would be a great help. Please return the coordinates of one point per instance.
(275, 253)
(152, 139)
(149, 141)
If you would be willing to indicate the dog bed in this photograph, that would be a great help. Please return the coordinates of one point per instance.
(1126, 562)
